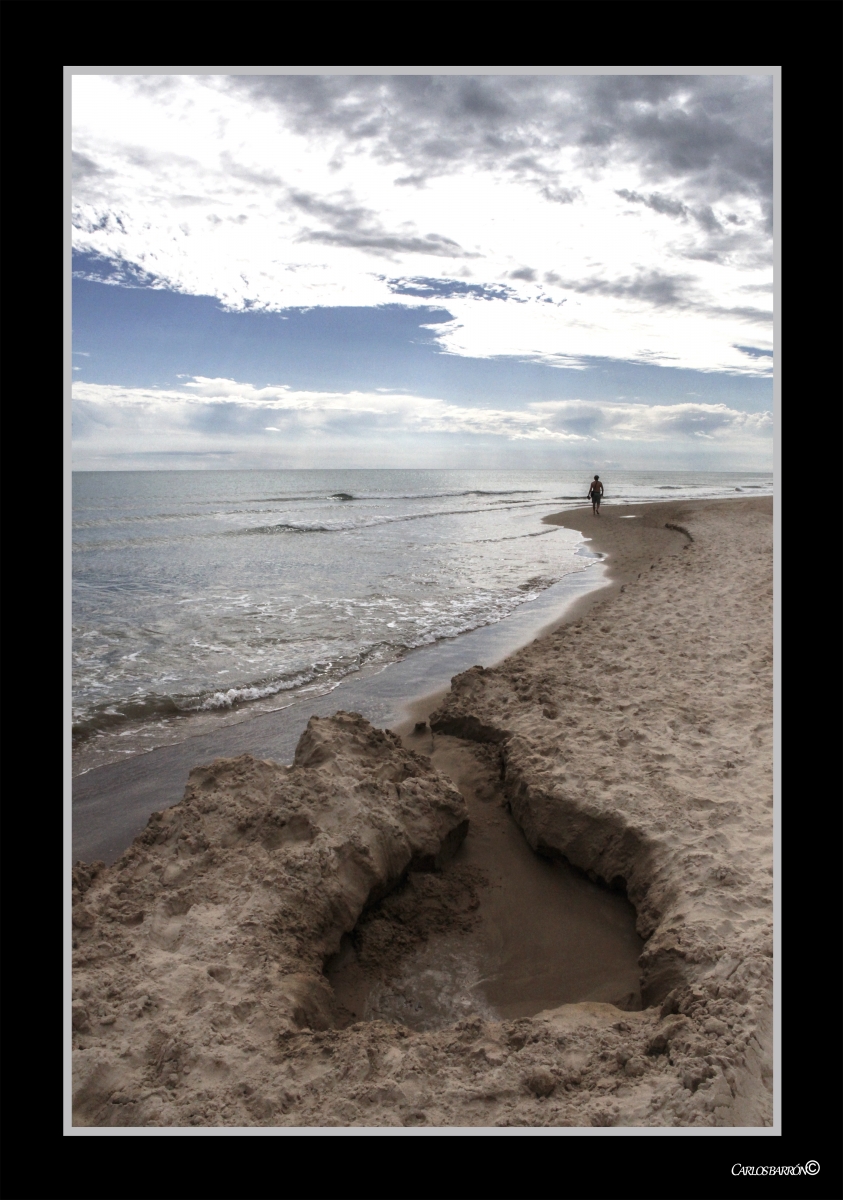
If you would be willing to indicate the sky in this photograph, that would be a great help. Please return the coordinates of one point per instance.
(443, 271)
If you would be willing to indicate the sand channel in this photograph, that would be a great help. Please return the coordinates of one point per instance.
(501, 933)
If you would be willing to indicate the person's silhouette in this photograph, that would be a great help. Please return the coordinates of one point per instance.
(595, 494)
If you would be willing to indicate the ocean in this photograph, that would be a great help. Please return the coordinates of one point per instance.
(207, 595)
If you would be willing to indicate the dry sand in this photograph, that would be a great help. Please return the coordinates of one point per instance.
(634, 741)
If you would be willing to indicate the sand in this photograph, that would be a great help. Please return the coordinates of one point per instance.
(633, 741)
(498, 933)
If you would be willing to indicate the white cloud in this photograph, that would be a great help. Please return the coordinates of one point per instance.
(201, 188)
(159, 408)
(225, 417)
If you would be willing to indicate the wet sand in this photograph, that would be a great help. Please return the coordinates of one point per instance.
(526, 934)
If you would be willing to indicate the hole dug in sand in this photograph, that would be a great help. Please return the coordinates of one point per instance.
(499, 932)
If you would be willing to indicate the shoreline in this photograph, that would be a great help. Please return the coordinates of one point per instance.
(661, 790)
(503, 636)
(621, 564)
(112, 801)
(108, 745)
(510, 631)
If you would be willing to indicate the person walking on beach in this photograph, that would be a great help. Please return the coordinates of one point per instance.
(595, 493)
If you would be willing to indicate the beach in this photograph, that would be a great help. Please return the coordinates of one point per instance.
(219, 960)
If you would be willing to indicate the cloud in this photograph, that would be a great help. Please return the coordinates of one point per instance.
(745, 312)
(354, 226)
(225, 410)
(99, 268)
(714, 131)
(676, 208)
(662, 291)
(661, 204)
(561, 195)
(528, 274)
(756, 287)
(656, 422)
(653, 287)
(642, 319)
(225, 403)
(382, 242)
(84, 168)
(587, 209)
(755, 351)
(444, 289)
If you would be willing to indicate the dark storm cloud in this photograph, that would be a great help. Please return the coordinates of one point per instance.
(248, 174)
(705, 216)
(712, 132)
(740, 247)
(85, 168)
(703, 140)
(659, 204)
(352, 225)
(660, 290)
(558, 195)
(342, 213)
(90, 178)
(387, 243)
(754, 315)
(652, 287)
(674, 208)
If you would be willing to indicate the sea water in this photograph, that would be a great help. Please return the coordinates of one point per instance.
(214, 593)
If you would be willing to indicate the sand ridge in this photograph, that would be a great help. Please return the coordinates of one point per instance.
(634, 739)
(224, 910)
